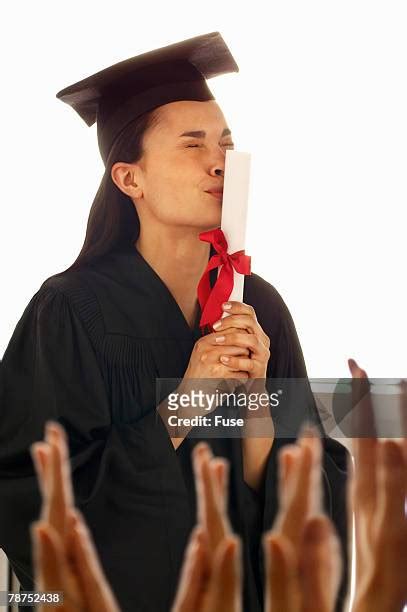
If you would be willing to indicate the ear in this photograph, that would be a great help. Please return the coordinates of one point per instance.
(126, 176)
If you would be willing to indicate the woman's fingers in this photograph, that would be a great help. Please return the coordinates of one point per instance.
(243, 316)
(240, 339)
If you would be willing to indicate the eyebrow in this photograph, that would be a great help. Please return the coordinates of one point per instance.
(202, 133)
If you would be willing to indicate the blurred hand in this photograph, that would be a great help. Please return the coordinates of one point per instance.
(65, 558)
(211, 575)
(302, 551)
(377, 496)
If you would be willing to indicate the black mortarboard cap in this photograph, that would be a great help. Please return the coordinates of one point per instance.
(117, 95)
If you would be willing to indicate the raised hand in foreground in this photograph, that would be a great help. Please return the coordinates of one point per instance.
(377, 496)
(302, 550)
(211, 575)
(65, 558)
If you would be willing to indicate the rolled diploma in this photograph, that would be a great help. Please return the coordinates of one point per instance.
(234, 211)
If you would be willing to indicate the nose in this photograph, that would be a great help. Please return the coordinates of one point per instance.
(217, 162)
(217, 167)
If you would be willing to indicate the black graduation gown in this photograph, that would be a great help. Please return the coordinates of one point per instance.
(86, 352)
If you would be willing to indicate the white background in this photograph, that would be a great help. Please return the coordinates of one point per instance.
(320, 102)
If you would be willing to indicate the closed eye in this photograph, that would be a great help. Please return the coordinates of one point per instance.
(229, 144)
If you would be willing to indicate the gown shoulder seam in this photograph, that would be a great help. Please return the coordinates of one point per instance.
(83, 302)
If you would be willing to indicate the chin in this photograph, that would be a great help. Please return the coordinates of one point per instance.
(209, 224)
(209, 227)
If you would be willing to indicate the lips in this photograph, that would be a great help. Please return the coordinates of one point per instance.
(217, 193)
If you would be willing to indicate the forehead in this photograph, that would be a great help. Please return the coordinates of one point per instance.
(191, 115)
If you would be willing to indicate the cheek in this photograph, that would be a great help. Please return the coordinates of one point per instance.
(165, 194)
(170, 174)
(175, 188)
(176, 179)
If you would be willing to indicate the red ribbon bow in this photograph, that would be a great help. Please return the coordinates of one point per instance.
(211, 300)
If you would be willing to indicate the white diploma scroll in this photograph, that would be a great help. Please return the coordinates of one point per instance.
(234, 211)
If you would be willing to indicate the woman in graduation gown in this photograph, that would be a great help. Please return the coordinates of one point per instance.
(93, 340)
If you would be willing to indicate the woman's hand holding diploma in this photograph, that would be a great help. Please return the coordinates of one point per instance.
(237, 351)
(241, 328)
(207, 373)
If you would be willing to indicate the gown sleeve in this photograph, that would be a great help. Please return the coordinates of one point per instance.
(126, 478)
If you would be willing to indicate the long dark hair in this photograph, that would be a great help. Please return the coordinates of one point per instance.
(113, 220)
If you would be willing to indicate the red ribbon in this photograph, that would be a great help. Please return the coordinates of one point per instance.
(211, 300)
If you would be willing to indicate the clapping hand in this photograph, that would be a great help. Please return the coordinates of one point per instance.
(65, 558)
(302, 551)
(377, 496)
(211, 575)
